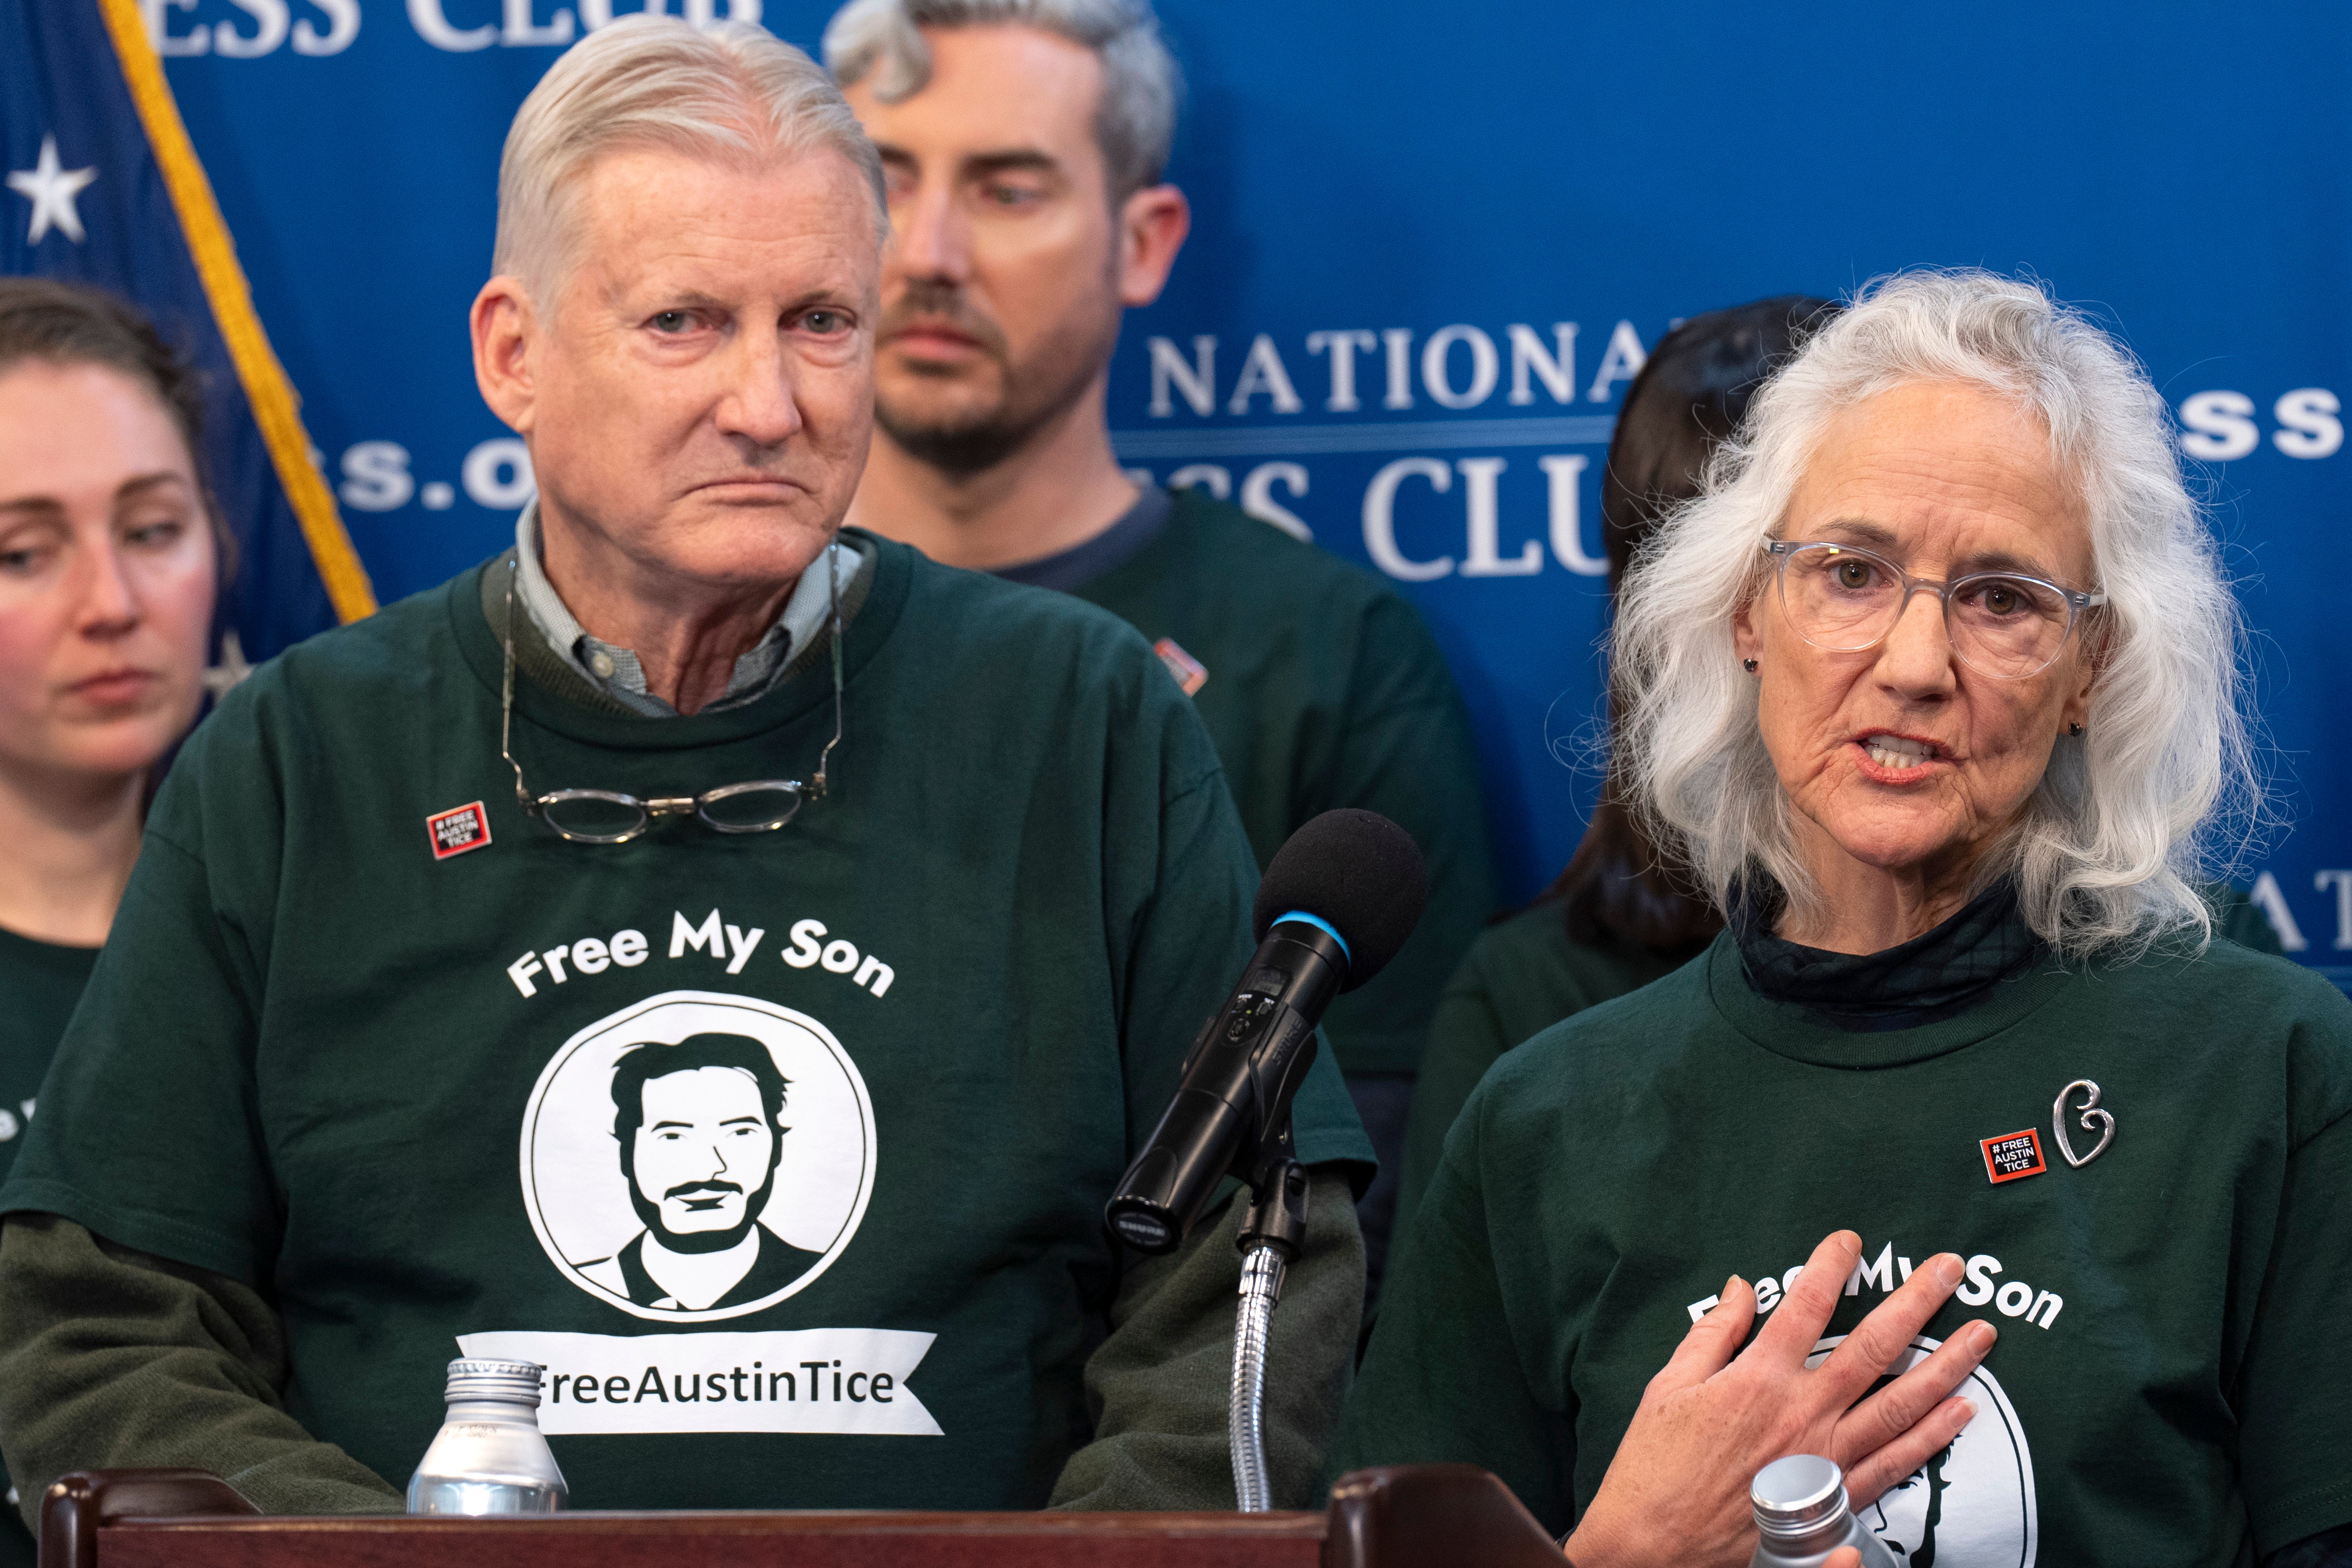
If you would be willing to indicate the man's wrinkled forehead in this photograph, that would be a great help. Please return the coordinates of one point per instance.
(718, 223)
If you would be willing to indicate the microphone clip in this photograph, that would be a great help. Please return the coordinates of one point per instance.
(1276, 1216)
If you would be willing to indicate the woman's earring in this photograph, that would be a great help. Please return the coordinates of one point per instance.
(1750, 666)
(2074, 729)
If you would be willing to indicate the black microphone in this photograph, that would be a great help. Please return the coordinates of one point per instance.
(1340, 897)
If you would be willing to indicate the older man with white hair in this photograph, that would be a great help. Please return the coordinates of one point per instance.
(696, 857)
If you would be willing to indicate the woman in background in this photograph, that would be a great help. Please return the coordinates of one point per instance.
(110, 558)
(109, 561)
(1617, 918)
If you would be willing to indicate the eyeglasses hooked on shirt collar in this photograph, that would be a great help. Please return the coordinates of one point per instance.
(613, 816)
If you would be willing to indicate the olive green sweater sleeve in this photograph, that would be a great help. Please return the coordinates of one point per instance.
(1156, 1388)
(112, 1359)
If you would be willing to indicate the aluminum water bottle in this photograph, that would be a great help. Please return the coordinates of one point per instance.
(489, 1456)
(1802, 1516)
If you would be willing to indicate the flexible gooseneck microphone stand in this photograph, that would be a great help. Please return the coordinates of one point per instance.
(1274, 1232)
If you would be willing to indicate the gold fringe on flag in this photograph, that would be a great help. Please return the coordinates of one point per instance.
(276, 408)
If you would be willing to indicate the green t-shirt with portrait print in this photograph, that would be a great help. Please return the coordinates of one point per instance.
(40, 981)
(2168, 1387)
(474, 1089)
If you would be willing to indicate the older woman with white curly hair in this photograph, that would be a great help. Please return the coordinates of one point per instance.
(1936, 692)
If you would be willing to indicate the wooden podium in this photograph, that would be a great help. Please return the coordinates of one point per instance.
(1400, 1517)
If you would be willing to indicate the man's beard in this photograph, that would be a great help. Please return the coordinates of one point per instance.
(1030, 397)
(696, 1241)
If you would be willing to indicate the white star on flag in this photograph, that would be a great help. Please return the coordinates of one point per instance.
(221, 678)
(51, 190)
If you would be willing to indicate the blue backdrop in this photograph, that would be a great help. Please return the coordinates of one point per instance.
(1429, 248)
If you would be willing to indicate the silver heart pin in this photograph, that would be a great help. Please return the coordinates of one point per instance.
(2092, 1116)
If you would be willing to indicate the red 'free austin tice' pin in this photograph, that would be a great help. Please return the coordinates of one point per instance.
(1190, 672)
(454, 832)
(2012, 1155)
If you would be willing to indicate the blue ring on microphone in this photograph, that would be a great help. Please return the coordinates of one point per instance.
(1319, 924)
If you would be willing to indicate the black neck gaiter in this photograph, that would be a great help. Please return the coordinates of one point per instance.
(1936, 975)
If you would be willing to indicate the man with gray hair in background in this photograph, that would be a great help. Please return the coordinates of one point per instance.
(1026, 143)
(689, 760)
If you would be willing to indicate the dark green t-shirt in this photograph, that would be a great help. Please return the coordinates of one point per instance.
(1521, 976)
(1322, 688)
(414, 1085)
(2170, 1385)
(40, 981)
(39, 984)
(1524, 974)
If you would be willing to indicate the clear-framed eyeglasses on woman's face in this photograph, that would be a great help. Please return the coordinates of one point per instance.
(1847, 599)
(612, 816)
